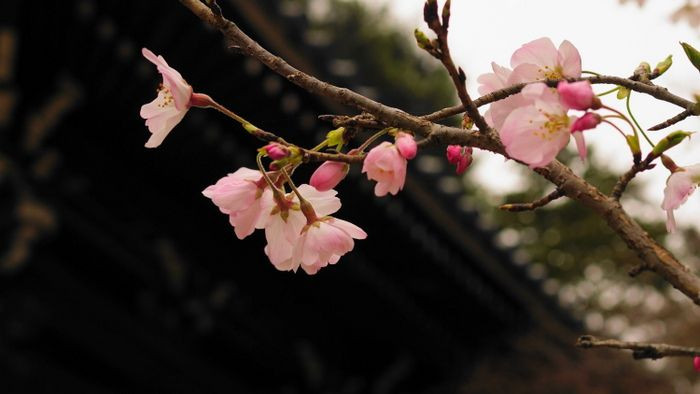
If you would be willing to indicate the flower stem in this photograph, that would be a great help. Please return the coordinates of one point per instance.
(373, 138)
(613, 90)
(629, 111)
(614, 125)
(278, 194)
(590, 72)
(306, 207)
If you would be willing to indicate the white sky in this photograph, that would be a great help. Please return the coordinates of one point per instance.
(612, 39)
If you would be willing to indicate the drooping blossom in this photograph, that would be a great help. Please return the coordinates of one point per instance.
(243, 195)
(285, 220)
(535, 133)
(578, 95)
(679, 186)
(328, 175)
(324, 242)
(385, 164)
(534, 61)
(175, 97)
(406, 145)
(588, 121)
(461, 156)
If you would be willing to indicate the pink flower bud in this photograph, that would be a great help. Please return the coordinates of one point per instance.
(578, 95)
(696, 363)
(328, 175)
(588, 121)
(407, 145)
(276, 151)
(461, 156)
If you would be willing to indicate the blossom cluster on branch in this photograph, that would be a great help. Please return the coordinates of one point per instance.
(530, 120)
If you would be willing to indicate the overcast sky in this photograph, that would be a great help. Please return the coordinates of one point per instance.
(612, 39)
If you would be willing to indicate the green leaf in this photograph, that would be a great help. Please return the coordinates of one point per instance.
(692, 53)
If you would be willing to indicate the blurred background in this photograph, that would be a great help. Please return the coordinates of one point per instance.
(117, 275)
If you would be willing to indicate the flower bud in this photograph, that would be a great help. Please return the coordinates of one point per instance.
(406, 145)
(692, 53)
(461, 156)
(588, 121)
(663, 65)
(328, 175)
(670, 141)
(336, 138)
(578, 95)
(696, 363)
(276, 151)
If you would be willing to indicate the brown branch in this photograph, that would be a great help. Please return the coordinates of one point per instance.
(531, 206)
(670, 122)
(625, 179)
(457, 74)
(640, 350)
(650, 252)
(655, 91)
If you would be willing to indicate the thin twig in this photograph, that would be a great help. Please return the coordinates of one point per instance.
(531, 206)
(670, 122)
(625, 179)
(640, 350)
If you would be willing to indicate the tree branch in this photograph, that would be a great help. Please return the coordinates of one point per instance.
(649, 251)
(625, 179)
(531, 206)
(640, 350)
(670, 122)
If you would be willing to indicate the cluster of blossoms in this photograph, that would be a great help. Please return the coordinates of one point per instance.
(534, 125)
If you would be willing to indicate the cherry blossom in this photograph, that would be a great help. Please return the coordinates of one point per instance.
(285, 220)
(461, 156)
(588, 121)
(535, 133)
(328, 175)
(385, 164)
(243, 195)
(175, 97)
(534, 61)
(324, 242)
(406, 145)
(679, 186)
(578, 95)
(540, 59)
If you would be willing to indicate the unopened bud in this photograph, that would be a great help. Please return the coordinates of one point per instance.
(663, 65)
(692, 54)
(276, 151)
(406, 145)
(422, 40)
(336, 138)
(633, 143)
(696, 363)
(670, 141)
(328, 175)
(467, 122)
(622, 92)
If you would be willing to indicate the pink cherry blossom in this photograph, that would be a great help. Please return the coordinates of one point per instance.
(461, 156)
(499, 110)
(324, 242)
(328, 175)
(534, 134)
(406, 145)
(175, 97)
(578, 95)
(385, 165)
(589, 120)
(284, 223)
(243, 195)
(679, 186)
(540, 59)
